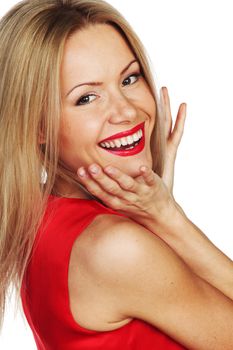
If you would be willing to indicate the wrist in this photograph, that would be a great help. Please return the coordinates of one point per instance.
(169, 222)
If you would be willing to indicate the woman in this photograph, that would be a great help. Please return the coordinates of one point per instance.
(90, 280)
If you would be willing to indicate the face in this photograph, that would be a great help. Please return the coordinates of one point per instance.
(108, 111)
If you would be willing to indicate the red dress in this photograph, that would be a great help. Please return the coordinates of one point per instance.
(45, 294)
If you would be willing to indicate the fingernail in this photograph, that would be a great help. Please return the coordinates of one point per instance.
(109, 170)
(94, 169)
(81, 172)
(144, 168)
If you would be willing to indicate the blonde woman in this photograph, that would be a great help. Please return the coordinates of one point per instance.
(103, 256)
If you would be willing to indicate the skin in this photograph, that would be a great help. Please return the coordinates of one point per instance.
(118, 103)
(134, 196)
(113, 284)
(113, 107)
(204, 280)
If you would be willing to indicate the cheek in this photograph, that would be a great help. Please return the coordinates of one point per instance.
(76, 130)
(148, 101)
(150, 110)
(78, 140)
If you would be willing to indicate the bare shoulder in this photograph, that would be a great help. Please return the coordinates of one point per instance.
(93, 303)
(113, 242)
(100, 263)
(104, 235)
(137, 275)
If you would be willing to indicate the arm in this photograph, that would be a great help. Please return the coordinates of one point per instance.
(150, 282)
(194, 247)
(152, 205)
(150, 202)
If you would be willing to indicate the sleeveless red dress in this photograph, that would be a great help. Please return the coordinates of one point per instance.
(45, 295)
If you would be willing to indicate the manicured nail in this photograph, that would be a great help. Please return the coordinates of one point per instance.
(81, 172)
(94, 169)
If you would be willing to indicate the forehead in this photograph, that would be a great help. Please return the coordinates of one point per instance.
(97, 49)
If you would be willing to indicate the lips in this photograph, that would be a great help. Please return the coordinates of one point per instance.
(129, 149)
(124, 133)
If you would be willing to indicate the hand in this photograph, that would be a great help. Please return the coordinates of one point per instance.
(146, 197)
(147, 202)
(173, 137)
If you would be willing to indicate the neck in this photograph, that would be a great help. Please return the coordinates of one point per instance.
(70, 190)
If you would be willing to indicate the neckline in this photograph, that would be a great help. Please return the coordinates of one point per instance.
(76, 198)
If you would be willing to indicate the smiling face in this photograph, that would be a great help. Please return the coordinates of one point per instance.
(108, 112)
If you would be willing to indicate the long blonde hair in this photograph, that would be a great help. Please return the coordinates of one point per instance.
(32, 39)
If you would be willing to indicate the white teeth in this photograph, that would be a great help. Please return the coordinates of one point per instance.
(130, 140)
(123, 141)
(135, 137)
(117, 143)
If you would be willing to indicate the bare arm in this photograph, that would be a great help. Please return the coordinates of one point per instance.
(152, 205)
(198, 252)
(148, 200)
(150, 282)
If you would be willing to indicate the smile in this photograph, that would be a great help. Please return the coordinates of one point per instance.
(126, 143)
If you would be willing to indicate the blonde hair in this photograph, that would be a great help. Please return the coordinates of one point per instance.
(32, 39)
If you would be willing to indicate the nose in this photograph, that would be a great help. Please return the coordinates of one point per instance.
(121, 109)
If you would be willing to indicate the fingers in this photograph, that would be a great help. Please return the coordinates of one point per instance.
(93, 178)
(178, 129)
(111, 200)
(103, 186)
(126, 182)
(148, 175)
(167, 111)
(92, 186)
(179, 125)
(173, 137)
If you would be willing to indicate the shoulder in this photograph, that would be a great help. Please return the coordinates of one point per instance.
(144, 278)
(117, 247)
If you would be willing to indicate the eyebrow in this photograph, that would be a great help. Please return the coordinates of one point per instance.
(97, 83)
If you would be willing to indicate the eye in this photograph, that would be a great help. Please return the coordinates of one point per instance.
(85, 100)
(131, 79)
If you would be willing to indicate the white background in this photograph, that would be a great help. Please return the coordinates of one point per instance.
(190, 45)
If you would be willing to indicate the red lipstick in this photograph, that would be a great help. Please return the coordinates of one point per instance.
(127, 152)
(124, 133)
